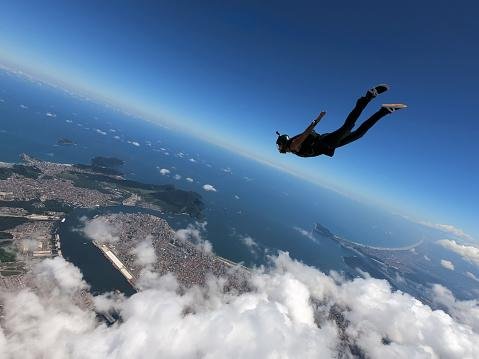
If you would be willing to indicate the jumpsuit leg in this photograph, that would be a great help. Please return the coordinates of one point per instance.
(335, 137)
(365, 126)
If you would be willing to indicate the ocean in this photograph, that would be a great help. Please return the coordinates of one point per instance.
(275, 209)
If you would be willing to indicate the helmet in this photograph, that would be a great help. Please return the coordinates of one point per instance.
(282, 142)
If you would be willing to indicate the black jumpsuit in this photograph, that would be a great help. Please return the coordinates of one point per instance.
(316, 144)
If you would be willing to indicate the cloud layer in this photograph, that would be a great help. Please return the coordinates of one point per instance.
(292, 310)
(468, 253)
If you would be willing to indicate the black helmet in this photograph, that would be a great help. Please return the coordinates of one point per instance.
(282, 142)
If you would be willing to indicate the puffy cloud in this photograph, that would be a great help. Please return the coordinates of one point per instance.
(209, 188)
(177, 177)
(165, 171)
(250, 243)
(192, 160)
(189, 179)
(100, 230)
(145, 252)
(464, 311)
(100, 132)
(468, 253)
(193, 234)
(50, 114)
(37, 321)
(291, 311)
(134, 143)
(447, 264)
(236, 196)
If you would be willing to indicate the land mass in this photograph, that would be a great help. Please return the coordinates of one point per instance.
(36, 195)
(406, 268)
(191, 263)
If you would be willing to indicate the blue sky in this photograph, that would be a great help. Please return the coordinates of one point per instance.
(238, 72)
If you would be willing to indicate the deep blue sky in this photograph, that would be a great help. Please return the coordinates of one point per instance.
(240, 72)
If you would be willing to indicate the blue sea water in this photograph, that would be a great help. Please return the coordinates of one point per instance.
(251, 199)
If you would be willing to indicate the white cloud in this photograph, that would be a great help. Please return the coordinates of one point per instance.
(145, 252)
(472, 276)
(464, 311)
(209, 188)
(304, 232)
(165, 171)
(291, 311)
(68, 121)
(189, 179)
(448, 228)
(23, 106)
(100, 230)
(468, 253)
(447, 264)
(236, 196)
(50, 114)
(116, 137)
(192, 160)
(227, 170)
(193, 234)
(177, 177)
(100, 132)
(250, 243)
(134, 143)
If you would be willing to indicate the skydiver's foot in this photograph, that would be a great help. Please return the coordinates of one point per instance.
(391, 107)
(376, 90)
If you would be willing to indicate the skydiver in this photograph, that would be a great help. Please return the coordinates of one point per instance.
(311, 144)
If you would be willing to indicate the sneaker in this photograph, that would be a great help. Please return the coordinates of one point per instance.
(391, 107)
(378, 89)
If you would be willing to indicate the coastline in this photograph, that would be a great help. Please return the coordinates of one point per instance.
(116, 263)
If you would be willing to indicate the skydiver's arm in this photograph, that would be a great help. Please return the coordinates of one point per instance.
(315, 122)
(298, 140)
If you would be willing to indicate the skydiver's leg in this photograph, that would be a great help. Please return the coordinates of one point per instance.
(335, 137)
(365, 126)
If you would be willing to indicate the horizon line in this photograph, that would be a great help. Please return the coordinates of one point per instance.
(133, 111)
